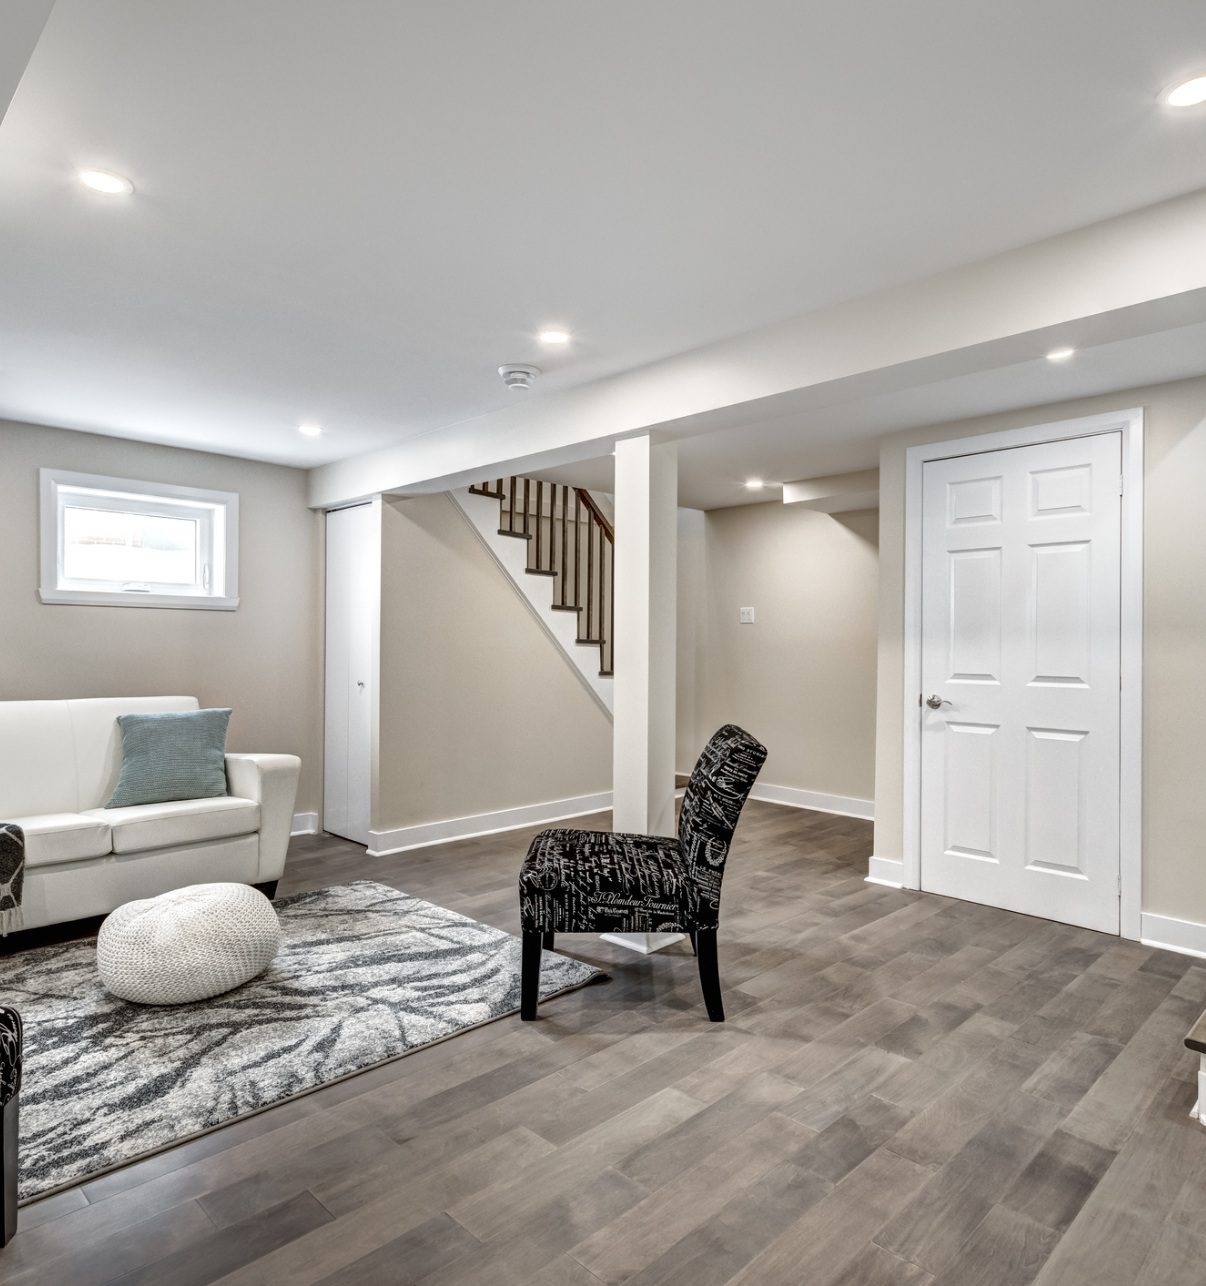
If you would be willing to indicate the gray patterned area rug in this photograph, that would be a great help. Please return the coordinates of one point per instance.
(365, 975)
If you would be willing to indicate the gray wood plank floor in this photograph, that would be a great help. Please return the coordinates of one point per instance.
(910, 1091)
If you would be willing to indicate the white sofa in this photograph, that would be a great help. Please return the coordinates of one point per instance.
(59, 762)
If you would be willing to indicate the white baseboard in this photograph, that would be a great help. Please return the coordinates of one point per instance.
(304, 824)
(383, 843)
(1186, 936)
(885, 870)
(645, 943)
(793, 798)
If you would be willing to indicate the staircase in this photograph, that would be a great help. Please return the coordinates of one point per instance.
(569, 540)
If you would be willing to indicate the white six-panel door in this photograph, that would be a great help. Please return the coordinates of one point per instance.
(1020, 664)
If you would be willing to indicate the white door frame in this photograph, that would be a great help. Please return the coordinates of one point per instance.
(1130, 424)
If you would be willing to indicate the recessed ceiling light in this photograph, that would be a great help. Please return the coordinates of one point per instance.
(1188, 94)
(1061, 354)
(754, 484)
(554, 336)
(309, 430)
(107, 182)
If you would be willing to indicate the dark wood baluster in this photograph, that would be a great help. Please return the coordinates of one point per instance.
(578, 555)
(552, 544)
(511, 498)
(611, 613)
(602, 599)
(539, 524)
(590, 576)
(526, 507)
(605, 599)
(564, 533)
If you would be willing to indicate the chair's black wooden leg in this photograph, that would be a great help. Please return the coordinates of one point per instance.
(8, 1170)
(694, 948)
(529, 986)
(268, 888)
(547, 941)
(709, 972)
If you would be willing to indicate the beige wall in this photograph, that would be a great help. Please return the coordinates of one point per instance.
(690, 633)
(480, 710)
(263, 660)
(802, 677)
(1174, 636)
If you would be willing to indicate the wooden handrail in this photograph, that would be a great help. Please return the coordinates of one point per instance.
(597, 513)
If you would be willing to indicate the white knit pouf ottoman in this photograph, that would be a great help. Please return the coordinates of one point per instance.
(188, 944)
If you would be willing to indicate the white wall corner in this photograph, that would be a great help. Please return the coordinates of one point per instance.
(885, 870)
(1185, 936)
(304, 824)
(843, 805)
(404, 838)
(835, 493)
(481, 513)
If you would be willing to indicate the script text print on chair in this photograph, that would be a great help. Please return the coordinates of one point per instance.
(597, 882)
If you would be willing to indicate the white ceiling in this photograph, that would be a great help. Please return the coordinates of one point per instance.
(354, 212)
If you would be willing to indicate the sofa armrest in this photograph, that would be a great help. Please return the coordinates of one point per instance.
(271, 780)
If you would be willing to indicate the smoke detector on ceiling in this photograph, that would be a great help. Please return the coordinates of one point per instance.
(515, 376)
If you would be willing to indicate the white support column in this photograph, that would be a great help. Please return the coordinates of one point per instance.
(646, 510)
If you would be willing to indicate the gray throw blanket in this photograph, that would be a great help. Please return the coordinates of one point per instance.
(12, 876)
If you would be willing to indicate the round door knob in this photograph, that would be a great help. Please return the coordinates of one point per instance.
(935, 702)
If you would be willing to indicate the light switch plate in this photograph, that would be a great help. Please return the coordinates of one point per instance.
(745, 616)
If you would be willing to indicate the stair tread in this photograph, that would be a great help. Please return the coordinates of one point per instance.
(539, 571)
(519, 535)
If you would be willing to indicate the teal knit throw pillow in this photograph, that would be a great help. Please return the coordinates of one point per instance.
(171, 756)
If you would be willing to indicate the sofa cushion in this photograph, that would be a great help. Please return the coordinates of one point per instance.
(63, 837)
(64, 756)
(36, 769)
(171, 756)
(182, 821)
(96, 737)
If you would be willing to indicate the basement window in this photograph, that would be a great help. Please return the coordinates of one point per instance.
(119, 543)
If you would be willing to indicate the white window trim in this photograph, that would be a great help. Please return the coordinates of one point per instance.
(1130, 424)
(222, 505)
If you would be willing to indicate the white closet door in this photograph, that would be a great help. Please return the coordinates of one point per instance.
(1021, 650)
(353, 575)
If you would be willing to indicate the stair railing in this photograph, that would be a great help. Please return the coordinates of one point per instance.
(570, 539)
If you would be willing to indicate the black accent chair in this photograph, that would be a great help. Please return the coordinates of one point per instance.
(10, 1089)
(600, 882)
